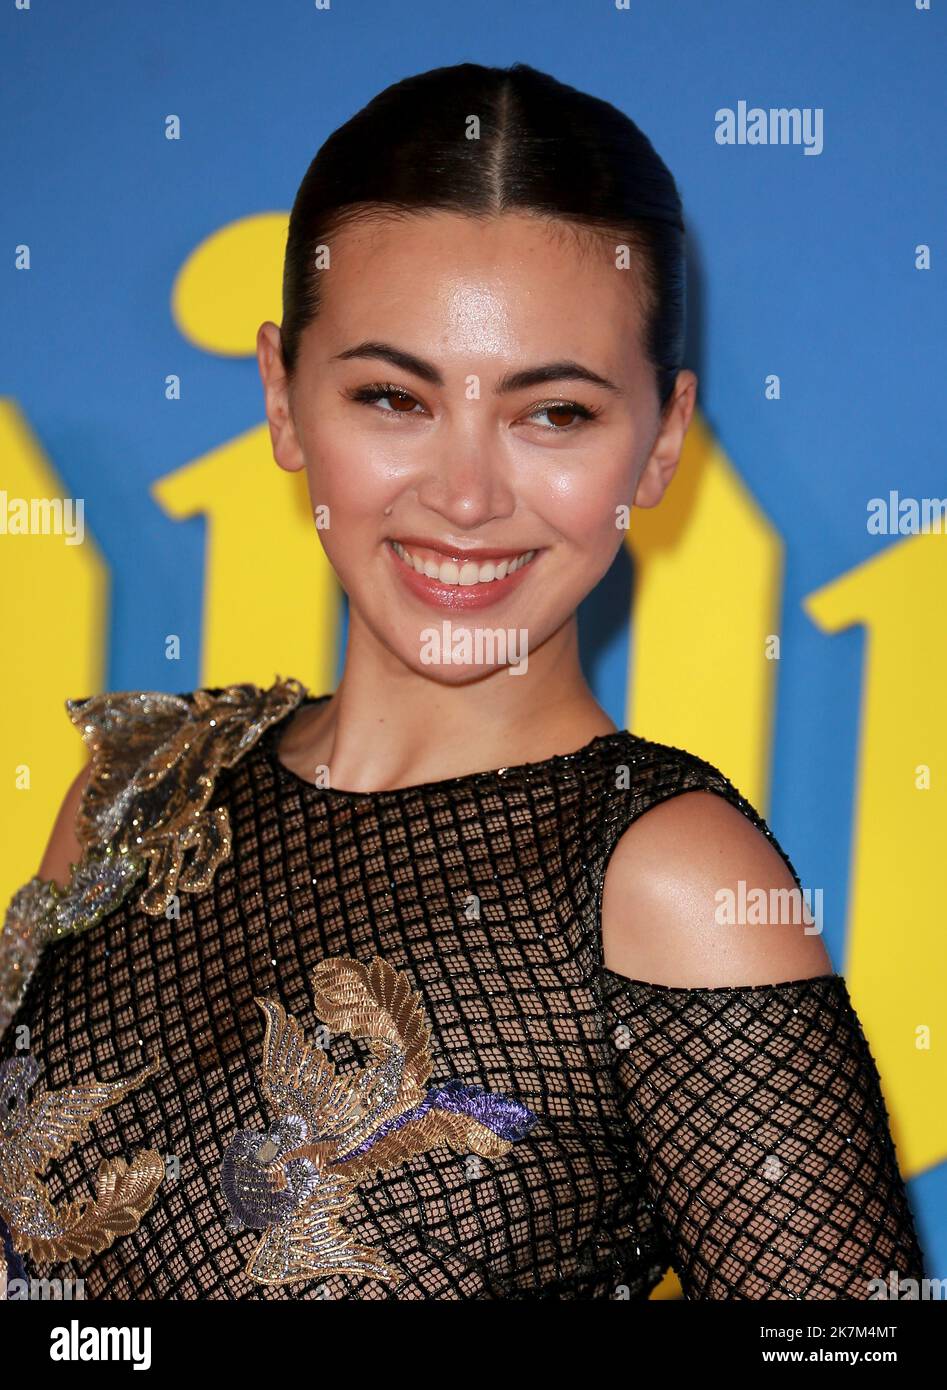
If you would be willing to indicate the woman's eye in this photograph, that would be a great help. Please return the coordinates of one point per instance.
(555, 410)
(563, 416)
(401, 402)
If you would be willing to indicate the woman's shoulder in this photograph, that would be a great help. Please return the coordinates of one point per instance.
(133, 720)
(698, 890)
(133, 736)
(139, 818)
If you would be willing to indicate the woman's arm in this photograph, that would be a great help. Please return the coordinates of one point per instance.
(24, 930)
(63, 848)
(752, 1096)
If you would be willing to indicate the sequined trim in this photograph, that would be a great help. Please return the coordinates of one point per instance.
(295, 1181)
(37, 1128)
(155, 761)
(21, 941)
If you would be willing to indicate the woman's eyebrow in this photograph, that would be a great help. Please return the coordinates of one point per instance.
(514, 381)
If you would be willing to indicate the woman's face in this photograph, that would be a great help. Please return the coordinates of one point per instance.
(471, 393)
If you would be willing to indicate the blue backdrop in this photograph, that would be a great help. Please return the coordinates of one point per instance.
(811, 267)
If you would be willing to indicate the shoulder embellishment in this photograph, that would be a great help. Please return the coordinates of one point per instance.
(295, 1181)
(44, 1125)
(144, 809)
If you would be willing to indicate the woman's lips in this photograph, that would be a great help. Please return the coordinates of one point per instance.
(458, 597)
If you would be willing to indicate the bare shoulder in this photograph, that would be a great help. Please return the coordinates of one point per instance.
(668, 882)
(63, 849)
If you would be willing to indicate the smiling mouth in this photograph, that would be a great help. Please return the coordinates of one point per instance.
(465, 573)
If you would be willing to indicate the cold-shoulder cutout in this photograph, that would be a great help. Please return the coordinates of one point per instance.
(696, 894)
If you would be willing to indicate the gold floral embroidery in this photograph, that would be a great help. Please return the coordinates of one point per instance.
(296, 1181)
(155, 761)
(37, 1128)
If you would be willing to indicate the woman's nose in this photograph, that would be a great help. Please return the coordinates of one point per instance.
(466, 479)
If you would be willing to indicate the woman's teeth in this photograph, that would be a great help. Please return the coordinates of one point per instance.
(470, 572)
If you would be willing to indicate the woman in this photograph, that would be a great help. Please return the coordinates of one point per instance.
(397, 992)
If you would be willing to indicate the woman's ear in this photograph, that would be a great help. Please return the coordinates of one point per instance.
(665, 453)
(276, 394)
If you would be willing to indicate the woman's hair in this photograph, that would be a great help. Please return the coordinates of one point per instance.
(542, 147)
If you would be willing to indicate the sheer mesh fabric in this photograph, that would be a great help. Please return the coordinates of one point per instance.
(762, 1128)
(720, 1131)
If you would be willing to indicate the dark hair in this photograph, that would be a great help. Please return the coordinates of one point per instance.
(543, 147)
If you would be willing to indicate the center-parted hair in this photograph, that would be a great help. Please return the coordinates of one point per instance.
(542, 147)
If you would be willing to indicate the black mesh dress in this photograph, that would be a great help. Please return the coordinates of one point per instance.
(280, 1041)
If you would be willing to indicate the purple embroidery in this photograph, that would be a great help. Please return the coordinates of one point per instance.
(506, 1118)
